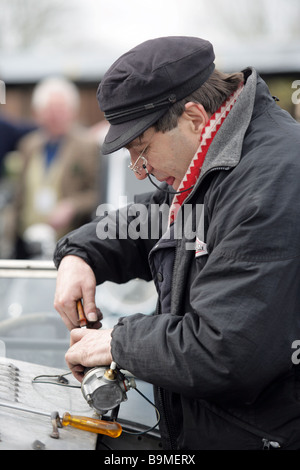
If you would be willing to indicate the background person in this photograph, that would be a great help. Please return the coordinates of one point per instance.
(11, 132)
(60, 177)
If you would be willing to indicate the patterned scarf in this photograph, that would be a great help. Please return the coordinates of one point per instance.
(207, 136)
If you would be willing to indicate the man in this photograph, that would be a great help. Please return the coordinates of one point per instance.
(58, 182)
(219, 349)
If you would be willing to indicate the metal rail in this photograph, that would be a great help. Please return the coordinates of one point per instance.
(27, 269)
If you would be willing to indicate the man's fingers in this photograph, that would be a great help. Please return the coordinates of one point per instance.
(89, 304)
(96, 324)
(77, 371)
(88, 348)
(71, 356)
(68, 312)
(75, 280)
(67, 322)
(77, 334)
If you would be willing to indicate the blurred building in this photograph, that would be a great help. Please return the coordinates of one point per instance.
(21, 71)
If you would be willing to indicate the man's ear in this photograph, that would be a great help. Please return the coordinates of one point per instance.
(197, 115)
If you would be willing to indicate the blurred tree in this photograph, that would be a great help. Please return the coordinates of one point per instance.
(255, 19)
(23, 23)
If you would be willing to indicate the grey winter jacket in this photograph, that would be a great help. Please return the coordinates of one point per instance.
(219, 350)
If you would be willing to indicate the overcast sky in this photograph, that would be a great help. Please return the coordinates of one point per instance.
(108, 28)
(122, 24)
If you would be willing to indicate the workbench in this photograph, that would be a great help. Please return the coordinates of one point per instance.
(20, 430)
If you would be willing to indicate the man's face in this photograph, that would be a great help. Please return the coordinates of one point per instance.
(168, 154)
(57, 116)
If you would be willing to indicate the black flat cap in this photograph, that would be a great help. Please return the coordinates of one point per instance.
(142, 84)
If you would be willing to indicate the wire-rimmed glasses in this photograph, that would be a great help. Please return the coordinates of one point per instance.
(140, 164)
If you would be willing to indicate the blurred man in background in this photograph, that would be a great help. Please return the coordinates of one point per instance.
(59, 179)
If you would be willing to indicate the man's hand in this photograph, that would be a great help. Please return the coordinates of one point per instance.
(76, 280)
(88, 348)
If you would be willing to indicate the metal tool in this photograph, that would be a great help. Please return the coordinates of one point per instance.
(85, 423)
(103, 388)
(83, 322)
(109, 428)
(9, 385)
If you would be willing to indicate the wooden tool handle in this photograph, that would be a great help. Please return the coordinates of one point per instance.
(81, 315)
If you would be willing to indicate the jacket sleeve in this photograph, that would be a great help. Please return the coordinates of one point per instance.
(115, 244)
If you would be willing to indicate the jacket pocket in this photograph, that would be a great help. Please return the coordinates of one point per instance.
(256, 438)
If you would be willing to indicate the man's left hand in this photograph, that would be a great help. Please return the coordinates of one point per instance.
(88, 348)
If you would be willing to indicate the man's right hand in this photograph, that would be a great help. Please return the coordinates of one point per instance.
(76, 280)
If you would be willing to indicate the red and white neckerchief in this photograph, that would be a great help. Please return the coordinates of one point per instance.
(207, 136)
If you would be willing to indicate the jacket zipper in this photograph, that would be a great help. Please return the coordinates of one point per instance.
(171, 437)
(268, 441)
(267, 444)
(211, 170)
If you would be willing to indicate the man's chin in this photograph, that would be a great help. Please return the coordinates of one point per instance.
(170, 181)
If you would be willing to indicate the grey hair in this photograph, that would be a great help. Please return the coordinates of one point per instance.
(44, 89)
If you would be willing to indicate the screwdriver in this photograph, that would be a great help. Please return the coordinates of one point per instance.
(109, 428)
(85, 423)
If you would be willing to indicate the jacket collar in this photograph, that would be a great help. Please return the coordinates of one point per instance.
(225, 150)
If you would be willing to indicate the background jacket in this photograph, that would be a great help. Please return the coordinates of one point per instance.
(219, 351)
(73, 175)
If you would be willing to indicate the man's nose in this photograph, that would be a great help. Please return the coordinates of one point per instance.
(141, 175)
